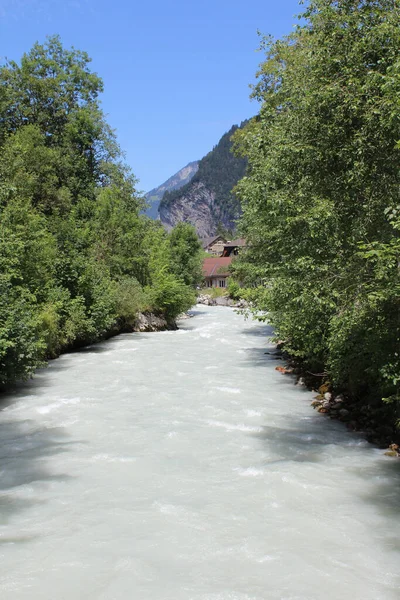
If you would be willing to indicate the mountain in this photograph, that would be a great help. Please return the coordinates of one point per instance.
(173, 183)
(207, 200)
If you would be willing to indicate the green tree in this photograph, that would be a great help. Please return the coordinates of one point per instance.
(77, 261)
(186, 254)
(323, 178)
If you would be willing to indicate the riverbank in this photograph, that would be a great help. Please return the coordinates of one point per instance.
(209, 300)
(144, 322)
(376, 420)
(148, 321)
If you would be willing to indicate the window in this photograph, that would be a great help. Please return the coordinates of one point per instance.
(221, 283)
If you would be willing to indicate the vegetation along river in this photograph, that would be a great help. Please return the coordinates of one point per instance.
(182, 466)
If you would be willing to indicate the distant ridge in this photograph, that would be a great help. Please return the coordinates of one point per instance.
(175, 182)
(207, 200)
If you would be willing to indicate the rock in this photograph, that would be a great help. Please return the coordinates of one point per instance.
(324, 388)
(203, 299)
(328, 396)
(352, 425)
(284, 370)
(224, 301)
(151, 322)
(391, 453)
(343, 412)
(242, 304)
(339, 398)
(301, 382)
(336, 405)
(322, 409)
(316, 403)
(184, 316)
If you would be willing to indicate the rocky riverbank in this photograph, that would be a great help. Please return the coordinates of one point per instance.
(221, 301)
(150, 322)
(373, 420)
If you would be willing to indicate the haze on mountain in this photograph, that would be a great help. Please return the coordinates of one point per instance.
(175, 182)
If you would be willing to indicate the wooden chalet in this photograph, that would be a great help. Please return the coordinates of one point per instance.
(216, 271)
(214, 245)
(232, 248)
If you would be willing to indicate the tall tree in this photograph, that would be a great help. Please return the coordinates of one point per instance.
(77, 260)
(322, 188)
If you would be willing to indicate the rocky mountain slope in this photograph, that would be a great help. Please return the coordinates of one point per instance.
(206, 200)
(175, 182)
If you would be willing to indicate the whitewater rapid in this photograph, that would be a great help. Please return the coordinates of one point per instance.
(182, 466)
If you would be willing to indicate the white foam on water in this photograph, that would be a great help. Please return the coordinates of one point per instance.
(48, 408)
(267, 558)
(108, 458)
(121, 478)
(234, 427)
(249, 471)
(253, 413)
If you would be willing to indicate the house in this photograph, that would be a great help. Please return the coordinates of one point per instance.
(216, 271)
(214, 245)
(232, 248)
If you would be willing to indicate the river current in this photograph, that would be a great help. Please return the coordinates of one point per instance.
(182, 466)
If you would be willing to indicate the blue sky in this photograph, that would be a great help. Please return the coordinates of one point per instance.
(176, 74)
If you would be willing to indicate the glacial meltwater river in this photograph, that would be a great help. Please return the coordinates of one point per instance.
(183, 466)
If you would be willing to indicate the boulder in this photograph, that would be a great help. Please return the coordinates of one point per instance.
(152, 322)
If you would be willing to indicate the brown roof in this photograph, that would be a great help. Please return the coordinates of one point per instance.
(212, 267)
(210, 240)
(235, 243)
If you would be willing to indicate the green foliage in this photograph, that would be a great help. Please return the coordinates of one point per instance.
(186, 254)
(167, 292)
(170, 296)
(130, 300)
(77, 260)
(214, 292)
(233, 288)
(321, 196)
(21, 347)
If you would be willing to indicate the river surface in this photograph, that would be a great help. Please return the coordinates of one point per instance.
(183, 466)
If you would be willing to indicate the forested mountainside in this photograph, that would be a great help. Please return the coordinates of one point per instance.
(175, 182)
(321, 204)
(77, 259)
(207, 200)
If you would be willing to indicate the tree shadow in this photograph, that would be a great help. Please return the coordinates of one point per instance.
(24, 448)
(97, 348)
(193, 313)
(304, 440)
(260, 357)
(385, 475)
(263, 331)
(295, 442)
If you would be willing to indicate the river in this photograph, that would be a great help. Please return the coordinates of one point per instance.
(183, 466)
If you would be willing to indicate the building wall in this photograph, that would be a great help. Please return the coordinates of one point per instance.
(217, 248)
(219, 281)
